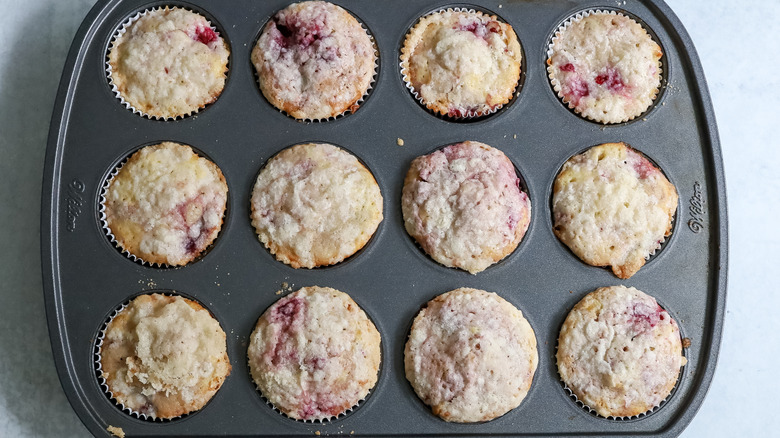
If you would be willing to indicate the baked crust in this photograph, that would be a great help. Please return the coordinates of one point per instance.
(314, 60)
(605, 66)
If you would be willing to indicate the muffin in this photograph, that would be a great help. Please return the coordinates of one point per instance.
(605, 66)
(464, 206)
(612, 207)
(315, 204)
(165, 205)
(471, 356)
(167, 62)
(619, 352)
(314, 60)
(163, 356)
(461, 63)
(314, 354)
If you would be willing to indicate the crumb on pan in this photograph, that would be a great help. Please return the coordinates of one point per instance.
(116, 431)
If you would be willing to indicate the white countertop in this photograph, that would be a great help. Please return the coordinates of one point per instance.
(738, 47)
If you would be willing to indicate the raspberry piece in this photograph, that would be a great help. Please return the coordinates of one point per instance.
(479, 29)
(288, 315)
(567, 67)
(644, 168)
(644, 318)
(577, 90)
(611, 79)
(205, 35)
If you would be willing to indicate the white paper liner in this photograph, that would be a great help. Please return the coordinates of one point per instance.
(112, 238)
(653, 410)
(109, 70)
(99, 365)
(358, 103)
(470, 114)
(557, 86)
(315, 420)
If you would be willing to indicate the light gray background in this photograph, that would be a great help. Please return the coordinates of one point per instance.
(738, 46)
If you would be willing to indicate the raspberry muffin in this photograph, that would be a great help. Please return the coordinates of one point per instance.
(314, 354)
(315, 205)
(314, 60)
(464, 206)
(165, 205)
(471, 356)
(619, 352)
(167, 63)
(461, 63)
(612, 207)
(605, 66)
(163, 356)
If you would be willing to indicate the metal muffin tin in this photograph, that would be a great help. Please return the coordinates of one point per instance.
(86, 277)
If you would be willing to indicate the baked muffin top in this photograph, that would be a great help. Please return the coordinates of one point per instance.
(168, 63)
(314, 60)
(461, 63)
(619, 352)
(314, 354)
(612, 207)
(464, 206)
(605, 66)
(163, 356)
(471, 355)
(315, 204)
(166, 204)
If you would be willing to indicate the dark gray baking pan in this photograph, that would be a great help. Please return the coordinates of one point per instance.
(86, 277)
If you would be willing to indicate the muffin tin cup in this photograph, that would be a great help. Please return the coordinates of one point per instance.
(110, 70)
(470, 115)
(86, 276)
(557, 86)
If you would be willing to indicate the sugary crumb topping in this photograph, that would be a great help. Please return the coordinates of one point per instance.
(462, 64)
(169, 63)
(314, 353)
(606, 67)
(619, 351)
(315, 204)
(314, 60)
(166, 204)
(612, 207)
(164, 356)
(464, 206)
(471, 355)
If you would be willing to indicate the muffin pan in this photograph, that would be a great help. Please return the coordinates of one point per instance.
(86, 278)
